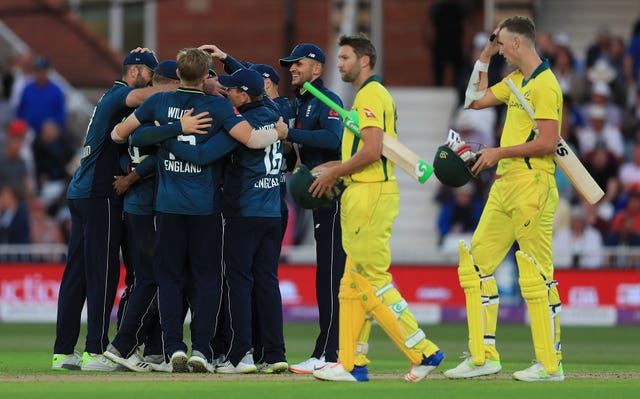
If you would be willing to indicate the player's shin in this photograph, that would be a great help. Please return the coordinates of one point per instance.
(470, 283)
(534, 291)
(490, 304)
(555, 308)
(390, 310)
(352, 318)
(362, 347)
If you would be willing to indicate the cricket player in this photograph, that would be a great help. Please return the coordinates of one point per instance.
(520, 207)
(369, 205)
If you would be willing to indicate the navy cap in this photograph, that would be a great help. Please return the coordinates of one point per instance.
(212, 71)
(267, 72)
(303, 50)
(147, 59)
(167, 69)
(246, 80)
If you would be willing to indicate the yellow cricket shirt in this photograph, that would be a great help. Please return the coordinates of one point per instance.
(543, 93)
(375, 107)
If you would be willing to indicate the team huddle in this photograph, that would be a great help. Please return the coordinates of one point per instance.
(197, 208)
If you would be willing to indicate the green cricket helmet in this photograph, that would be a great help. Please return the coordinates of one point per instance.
(449, 168)
(298, 185)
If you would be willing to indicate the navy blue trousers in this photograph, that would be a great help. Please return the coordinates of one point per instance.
(140, 321)
(251, 255)
(91, 273)
(330, 258)
(188, 259)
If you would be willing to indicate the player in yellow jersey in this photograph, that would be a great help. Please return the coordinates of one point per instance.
(520, 207)
(369, 205)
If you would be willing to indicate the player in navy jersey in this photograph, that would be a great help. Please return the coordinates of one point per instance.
(188, 207)
(93, 264)
(318, 132)
(140, 322)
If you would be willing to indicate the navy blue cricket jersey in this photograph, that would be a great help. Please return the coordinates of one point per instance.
(183, 187)
(318, 128)
(139, 198)
(101, 155)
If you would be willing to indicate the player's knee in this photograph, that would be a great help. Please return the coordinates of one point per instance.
(467, 272)
(532, 283)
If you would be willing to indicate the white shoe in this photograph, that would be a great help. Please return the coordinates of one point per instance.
(467, 369)
(537, 373)
(418, 372)
(66, 362)
(245, 366)
(97, 362)
(179, 362)
(157, 363)
(336, 372)
(133, 362)
(308, 366)
(272, 368)
(199, 364)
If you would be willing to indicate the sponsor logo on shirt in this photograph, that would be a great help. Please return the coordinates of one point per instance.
(368, 113)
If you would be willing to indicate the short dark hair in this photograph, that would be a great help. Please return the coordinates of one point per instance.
(361, 45)
(520, 25)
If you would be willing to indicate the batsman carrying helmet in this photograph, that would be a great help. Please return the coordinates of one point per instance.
(520, 207)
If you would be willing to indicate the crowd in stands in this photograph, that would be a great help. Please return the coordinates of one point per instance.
(601, 122)
(35, 151)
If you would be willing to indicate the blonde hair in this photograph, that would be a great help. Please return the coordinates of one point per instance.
(193, 65)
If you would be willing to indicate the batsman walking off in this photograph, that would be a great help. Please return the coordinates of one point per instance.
(520, 207)
(369, 206)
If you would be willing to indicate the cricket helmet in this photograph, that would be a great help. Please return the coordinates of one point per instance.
(298, 185)
(449, 168)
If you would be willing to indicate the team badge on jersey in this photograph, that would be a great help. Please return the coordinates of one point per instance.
(333, 114)
(368, 113)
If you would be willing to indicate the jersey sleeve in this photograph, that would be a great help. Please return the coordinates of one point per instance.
(545, 102)
(226, 114)
(370, 110)
(501, 91)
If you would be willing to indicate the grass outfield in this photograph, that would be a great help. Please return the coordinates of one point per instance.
(599, 363)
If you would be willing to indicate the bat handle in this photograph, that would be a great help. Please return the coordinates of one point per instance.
(423, 171)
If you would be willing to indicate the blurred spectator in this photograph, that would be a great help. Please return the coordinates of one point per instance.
(599, 130)
(13, 167)
(632, 59)
(579, 245)
(42, 99)
(460, 214)
(476, 126)
(616, 60)
(44, 230)
(617, 242)
(546, 46)
(14, 217)
(6, 111)
(599, 48)
(600, 94)
(631, 119)
(21, 74)
(52, 151)
(603, 166)
(446, 21)
(629, 172)
(599, 215)
(631, 210)
(571, 81)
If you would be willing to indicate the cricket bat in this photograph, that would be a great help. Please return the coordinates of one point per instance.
(392, 149)
(566, 158)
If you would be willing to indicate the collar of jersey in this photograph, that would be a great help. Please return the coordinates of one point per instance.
(246, 107)
(190, 91)
(120, 82)
(315, 83)
(541, 68)
(372, 78)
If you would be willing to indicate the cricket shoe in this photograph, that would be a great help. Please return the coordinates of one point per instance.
(157, 363)
(467, 369)
(66, 362)
(417, 372)
(179, 362)
(308, 366)
(272, 368)
(133, 362)
(198, 363)
(245, 366)
(97, 362)
(537, 373)
(335, 372)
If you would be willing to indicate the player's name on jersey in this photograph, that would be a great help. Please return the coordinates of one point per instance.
(267, 182)
(181, 166)
(175, 112)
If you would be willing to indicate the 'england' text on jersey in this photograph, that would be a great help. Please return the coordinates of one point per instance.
(267, 182)
(181, 166)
